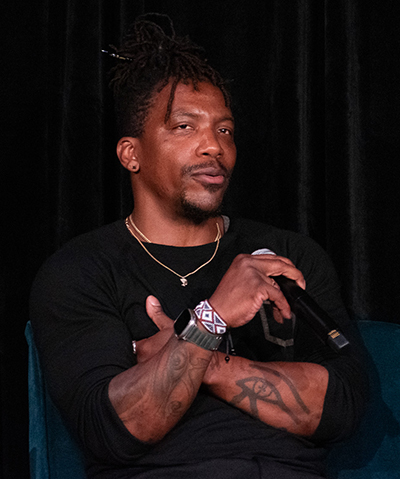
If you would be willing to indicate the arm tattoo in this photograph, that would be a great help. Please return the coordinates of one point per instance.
(215, 362)
(257, 388)
(180, 370)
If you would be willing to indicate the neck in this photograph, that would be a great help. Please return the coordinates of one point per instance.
(180, 232)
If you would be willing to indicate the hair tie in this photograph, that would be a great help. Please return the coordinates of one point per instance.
(115, 55)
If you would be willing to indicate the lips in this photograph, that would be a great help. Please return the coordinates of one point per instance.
(211, 176)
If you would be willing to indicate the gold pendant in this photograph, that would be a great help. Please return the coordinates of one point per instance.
(184, 281)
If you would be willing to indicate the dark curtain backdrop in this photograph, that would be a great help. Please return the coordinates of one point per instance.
(317, 95)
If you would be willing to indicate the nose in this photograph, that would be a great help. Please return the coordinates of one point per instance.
(209, 144)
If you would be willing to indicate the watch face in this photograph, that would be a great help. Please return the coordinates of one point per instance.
(182, 321)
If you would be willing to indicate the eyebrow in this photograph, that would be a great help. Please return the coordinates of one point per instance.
(188, 114)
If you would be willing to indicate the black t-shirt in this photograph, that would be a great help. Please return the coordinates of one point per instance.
(88, 304)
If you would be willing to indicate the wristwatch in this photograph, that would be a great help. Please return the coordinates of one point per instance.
(186, 328)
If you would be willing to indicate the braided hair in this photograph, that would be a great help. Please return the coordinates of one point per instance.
(148, 59)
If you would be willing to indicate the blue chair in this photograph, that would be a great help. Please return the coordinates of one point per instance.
(53, 453)
(373, 453)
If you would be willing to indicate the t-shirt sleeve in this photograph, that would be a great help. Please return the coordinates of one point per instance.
(347, 392)
(83, 343)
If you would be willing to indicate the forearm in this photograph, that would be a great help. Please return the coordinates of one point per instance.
(152, 396)
(284, 395)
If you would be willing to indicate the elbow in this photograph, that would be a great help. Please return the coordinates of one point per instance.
(142, 427)
(345, 404)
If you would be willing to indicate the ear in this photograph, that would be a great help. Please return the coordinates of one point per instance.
(127, 153)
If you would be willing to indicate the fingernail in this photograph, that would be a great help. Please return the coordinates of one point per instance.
(153, 300)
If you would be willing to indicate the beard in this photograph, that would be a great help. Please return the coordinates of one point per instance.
(197, 213)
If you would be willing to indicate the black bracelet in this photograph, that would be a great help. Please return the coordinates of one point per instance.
(229, 346)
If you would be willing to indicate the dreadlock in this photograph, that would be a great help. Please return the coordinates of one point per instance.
(148, 59)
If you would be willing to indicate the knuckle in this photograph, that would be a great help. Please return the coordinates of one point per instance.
(241, 258)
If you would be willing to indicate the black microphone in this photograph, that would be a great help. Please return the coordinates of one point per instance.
(306, 308)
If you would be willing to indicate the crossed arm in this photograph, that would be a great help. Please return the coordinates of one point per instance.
(151, 397)
(284, 395)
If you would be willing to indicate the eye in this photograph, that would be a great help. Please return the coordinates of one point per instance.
(183, 126)
(226, 131)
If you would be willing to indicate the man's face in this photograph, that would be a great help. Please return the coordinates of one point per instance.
(186, 163)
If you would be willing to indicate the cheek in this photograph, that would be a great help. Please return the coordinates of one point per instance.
(167, 173)
(230, 157)
(233, 155)
(174, 161)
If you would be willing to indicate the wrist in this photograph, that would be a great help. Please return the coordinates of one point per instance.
(209, 318)
(187, 328)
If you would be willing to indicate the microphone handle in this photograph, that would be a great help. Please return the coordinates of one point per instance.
(306, 308)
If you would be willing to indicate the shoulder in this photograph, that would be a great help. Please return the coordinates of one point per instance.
(104, 238)
(90, 255)
(101, 242)
(254, 234)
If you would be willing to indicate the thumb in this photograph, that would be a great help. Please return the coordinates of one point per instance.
(156, 313)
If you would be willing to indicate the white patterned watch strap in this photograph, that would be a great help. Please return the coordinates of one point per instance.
(209, 318)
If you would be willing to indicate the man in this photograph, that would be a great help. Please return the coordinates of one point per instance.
(235, 387)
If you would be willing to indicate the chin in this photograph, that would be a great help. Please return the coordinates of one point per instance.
(199, 213)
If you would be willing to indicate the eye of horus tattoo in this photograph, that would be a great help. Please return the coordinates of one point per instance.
(260, 388)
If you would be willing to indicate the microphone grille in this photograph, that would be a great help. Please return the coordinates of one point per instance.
(263, 251)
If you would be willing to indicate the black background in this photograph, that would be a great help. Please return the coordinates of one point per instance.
(317, 95)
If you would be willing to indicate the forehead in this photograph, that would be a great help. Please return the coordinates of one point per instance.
(207, 100)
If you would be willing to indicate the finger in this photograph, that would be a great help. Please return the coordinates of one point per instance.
(276, 314)
(156, 313)
(273, 257)
(280, 302)
(274, 284)
(278, 265)
(148, 347)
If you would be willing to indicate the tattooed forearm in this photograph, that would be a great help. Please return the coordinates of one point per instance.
(258, 389)
(152, 396)
(286, 380)
(264, 388)
(180, 371)
(215, 364)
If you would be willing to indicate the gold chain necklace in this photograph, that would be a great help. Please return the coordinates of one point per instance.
(130, 224)
(130, 220)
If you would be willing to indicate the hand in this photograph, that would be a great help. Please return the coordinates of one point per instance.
(147, 348)
(248, 283)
